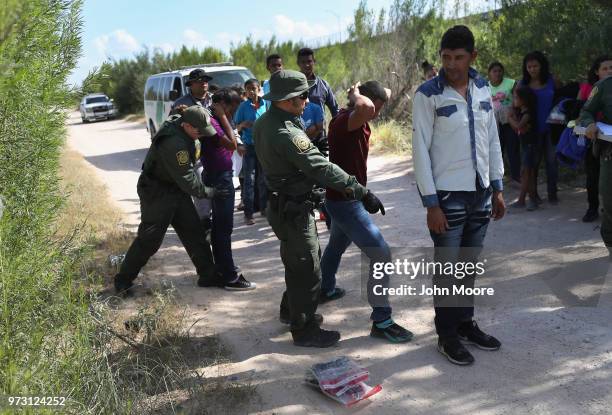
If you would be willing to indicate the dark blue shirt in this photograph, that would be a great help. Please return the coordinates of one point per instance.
(544, 98)
(322, 94)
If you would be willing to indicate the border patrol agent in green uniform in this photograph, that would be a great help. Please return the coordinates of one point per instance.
(600, 100)
(165, 186)
(292, 167)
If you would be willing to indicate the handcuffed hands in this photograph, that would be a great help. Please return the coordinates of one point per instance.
(323, 146)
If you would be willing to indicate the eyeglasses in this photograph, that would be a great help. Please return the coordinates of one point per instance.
(303, 96)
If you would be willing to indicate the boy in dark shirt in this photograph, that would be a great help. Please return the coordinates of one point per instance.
(349, 135)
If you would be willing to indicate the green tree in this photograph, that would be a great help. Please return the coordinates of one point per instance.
(252, 54)
(572, 33)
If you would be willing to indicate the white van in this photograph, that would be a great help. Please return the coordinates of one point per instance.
(161, 90)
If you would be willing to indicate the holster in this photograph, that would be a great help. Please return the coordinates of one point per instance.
(596, 148)
(294, 208)
(604, 149)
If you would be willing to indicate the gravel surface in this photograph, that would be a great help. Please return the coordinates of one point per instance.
(548, 270)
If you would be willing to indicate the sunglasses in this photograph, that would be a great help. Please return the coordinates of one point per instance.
(303, 96)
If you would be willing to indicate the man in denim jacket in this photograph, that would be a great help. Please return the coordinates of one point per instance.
(459, 169)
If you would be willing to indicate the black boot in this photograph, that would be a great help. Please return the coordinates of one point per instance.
(286, 319)
(590, 215)
(314, 336)
(123, 286)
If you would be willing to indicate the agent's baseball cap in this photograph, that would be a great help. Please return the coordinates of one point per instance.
(287, 84)
(199, 118)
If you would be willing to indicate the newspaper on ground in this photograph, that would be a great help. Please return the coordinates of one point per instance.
(342, 380)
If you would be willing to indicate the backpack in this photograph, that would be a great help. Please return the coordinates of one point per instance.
(571, 148)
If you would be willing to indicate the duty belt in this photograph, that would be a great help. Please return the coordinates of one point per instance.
(313, 198)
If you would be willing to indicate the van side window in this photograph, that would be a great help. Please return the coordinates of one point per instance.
(157, 84)
(167, 82)
(150, 90)
(177, 86)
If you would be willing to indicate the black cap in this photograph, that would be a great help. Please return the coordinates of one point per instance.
(198, 75)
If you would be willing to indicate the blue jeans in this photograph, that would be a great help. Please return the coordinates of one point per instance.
(249, 166)
(468, 216)
(222, 224)
(352, 223)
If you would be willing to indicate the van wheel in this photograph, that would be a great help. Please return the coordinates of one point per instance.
(84, 120)
(152, 129)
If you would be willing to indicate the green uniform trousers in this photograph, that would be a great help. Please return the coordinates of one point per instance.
(605, 192)
(158, 211)
(295, 227)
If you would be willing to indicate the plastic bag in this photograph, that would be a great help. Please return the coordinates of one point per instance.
(342, 380)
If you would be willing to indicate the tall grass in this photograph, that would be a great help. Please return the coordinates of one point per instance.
(58, 336)
(391, 136)
(89, 217)
(49, 342)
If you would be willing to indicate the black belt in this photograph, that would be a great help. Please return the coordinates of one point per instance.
(315, 196)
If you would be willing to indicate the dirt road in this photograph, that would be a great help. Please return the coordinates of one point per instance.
(556, 329)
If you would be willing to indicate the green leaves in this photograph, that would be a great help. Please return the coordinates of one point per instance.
(572, 33)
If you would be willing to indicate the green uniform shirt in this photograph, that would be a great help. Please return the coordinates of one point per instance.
(171, 158)
(600, 100)
(291, 163)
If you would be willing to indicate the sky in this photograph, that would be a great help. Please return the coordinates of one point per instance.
(114, 29)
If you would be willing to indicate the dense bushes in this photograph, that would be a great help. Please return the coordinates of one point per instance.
(47, 336)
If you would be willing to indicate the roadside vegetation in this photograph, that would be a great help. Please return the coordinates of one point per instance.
(61, 334)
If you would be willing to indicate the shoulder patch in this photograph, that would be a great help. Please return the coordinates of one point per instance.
(182, 157)
(593, 92)
(301, 142)
(298, 137)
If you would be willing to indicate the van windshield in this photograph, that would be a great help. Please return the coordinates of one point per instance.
(95, 100)
(230, 78)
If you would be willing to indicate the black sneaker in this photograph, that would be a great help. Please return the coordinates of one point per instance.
(455, 352)
(391, 331)
(285, 319)
(590, 216)
(335, 295)
(469, 333)
(241, 284)
(315, 336)
(123, 288)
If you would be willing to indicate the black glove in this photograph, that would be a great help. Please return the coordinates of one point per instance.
(372, 204)
(323, 146)
(217, 192)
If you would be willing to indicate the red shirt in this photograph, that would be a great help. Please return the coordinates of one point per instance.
(585, 91)
(348, 149)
